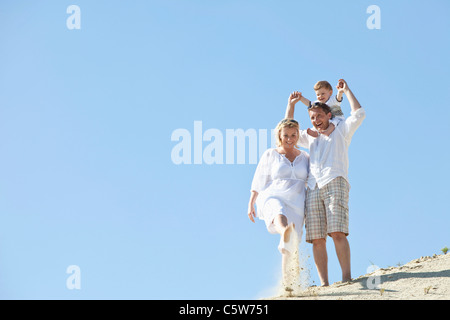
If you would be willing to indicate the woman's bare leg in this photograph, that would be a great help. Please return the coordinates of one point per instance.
(285, 231)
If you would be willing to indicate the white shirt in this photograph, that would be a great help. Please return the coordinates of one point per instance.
(278, 178)
(329, 155)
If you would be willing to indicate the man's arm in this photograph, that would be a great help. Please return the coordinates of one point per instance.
(340, 89)
(357, 116)
(354, 104)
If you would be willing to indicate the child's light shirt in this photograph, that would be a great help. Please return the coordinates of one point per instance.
(335, 107)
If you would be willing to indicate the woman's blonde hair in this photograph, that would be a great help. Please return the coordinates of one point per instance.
(286, 123)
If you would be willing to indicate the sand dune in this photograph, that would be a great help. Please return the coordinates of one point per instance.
(421, 279)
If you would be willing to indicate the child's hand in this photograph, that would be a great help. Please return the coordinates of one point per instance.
(312, 133)
(341, 86)
(295, 97)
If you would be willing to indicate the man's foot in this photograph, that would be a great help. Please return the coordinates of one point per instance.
(343, 283)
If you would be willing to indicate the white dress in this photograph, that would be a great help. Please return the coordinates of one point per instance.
(281, 184)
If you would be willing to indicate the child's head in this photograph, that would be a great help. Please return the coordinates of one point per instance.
(323, 91)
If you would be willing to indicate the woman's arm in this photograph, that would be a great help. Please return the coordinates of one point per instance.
(292, 101)
(251, 205)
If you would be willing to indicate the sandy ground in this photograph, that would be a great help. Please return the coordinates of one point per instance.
(421, 279)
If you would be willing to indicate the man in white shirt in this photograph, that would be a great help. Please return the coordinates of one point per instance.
(328, 187)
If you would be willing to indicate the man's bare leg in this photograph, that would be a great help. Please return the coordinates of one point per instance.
(321, 260)
(343, 253)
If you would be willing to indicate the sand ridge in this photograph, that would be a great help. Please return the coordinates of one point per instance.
(426, 278)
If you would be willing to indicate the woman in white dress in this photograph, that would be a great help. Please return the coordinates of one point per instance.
(278, 190)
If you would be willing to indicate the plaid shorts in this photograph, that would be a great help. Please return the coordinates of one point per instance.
(327, 209)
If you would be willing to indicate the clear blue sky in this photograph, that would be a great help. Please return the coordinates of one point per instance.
(86, 118)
